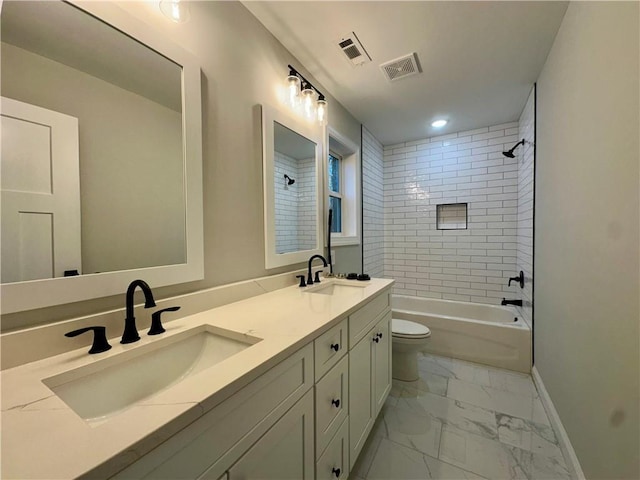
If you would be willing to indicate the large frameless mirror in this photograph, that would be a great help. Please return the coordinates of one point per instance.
(292, 160)
(101, 155)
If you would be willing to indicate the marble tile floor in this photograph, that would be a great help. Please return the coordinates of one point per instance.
(462, 420)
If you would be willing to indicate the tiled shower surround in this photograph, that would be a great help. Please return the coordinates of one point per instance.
(372, 205)
(524, 257)
(473, 264)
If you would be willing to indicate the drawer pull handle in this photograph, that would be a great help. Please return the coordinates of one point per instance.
(335, 347)
(376, 339)
(336, 472)
(336, 402)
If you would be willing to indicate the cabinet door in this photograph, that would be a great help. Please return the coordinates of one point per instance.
(332, 404)
(334, 462)
(381, 367)
(360, 394)
(285, 451)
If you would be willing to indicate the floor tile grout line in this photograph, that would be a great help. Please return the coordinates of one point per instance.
(426, 455)
(496, 382)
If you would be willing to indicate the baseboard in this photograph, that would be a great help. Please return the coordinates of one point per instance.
(565, 445)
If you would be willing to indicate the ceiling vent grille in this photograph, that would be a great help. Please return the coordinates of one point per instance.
(401, 67)
(353, 50)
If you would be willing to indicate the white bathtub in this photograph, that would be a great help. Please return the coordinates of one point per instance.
(470, 331)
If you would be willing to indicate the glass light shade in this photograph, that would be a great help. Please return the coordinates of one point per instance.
(293, 90)
(321, 111)
(176, 10)
(307, 102)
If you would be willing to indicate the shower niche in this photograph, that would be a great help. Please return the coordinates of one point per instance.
(451, 216)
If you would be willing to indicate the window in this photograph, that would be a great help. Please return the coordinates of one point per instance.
(342, 173)
(335, 191)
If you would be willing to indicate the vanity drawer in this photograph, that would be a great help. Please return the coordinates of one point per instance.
(361, 321)
(329, 348)
(332, 403)
(219, 437)
(334, 462)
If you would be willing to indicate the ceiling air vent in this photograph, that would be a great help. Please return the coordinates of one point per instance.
(353, 49)
(401, 67)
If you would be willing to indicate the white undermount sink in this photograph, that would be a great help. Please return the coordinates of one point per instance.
(102, 389)
(338, 287)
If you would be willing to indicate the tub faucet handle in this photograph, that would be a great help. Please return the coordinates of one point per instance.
(519, 279)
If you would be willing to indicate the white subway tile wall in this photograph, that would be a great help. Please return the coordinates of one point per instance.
(465, 167)
(524, 254)
(307, 204)
(295, 214)
(372, 207)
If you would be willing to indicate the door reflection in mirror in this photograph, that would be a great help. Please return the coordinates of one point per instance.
(127, 100)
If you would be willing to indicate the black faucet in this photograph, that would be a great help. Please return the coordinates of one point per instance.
(130, 334)
(517, 303)
(309, 275)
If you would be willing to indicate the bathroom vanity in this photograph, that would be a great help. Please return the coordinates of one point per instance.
(297, 400)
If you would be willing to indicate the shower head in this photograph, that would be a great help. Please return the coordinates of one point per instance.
(509, 153)
(288, 180)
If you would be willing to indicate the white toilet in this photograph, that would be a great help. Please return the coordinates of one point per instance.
(408, 338)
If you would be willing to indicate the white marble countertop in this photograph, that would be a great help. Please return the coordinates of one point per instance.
(43, 438)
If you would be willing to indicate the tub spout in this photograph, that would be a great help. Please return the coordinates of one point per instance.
(517, 303)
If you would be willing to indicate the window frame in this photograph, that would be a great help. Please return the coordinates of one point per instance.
(350, 185)
(333, 193)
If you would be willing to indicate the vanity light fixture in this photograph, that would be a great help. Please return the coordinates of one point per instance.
(293, 89)
(175, 10)
(301, 90)
(439, 123)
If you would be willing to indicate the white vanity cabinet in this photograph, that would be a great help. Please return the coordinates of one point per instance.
(216, 441)
(369, 369)
(285, 452)
(305, 418)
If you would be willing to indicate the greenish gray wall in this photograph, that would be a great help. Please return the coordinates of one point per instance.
(586, 234)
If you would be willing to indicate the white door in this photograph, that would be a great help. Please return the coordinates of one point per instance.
(40, 184)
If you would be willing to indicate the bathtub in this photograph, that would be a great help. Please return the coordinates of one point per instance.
(470, 331)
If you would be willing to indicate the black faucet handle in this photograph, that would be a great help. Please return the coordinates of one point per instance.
(156, 324)
(317, 279)
(100, 343)
(302, 282)
(519, 279)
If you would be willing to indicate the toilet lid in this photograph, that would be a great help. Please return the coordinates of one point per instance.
(407, 329)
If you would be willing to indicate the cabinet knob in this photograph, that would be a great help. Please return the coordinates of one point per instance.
(336, 402)
(379, 335)
(335, 347)
(336, 472)
(376, 339)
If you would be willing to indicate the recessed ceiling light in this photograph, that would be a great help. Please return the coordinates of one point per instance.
(439, 123)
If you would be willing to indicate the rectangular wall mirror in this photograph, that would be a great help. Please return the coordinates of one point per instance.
(101, 160)
(292, 160)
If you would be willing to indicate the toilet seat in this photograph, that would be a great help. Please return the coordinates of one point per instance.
(409, 330)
